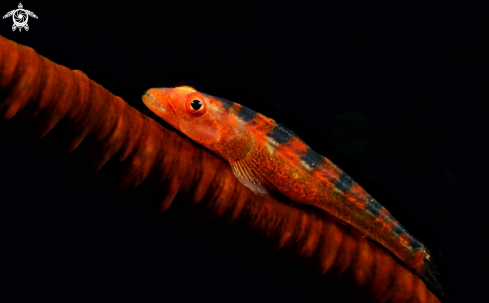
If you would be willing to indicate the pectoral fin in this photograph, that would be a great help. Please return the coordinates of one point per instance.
(249, 174)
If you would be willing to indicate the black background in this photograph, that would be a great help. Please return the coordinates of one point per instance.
(392, 93)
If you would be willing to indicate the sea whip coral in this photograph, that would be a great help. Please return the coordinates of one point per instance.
(144, 151)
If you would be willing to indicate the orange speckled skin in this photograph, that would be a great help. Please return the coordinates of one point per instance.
(287, 163)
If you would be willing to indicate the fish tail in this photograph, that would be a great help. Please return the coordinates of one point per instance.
(430, 273)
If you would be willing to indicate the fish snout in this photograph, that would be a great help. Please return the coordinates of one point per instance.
(159, 101)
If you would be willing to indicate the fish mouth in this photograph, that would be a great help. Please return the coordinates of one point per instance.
(158, 100)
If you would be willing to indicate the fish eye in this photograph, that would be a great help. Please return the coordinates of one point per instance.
(196, 104)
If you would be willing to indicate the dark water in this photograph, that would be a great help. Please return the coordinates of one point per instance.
(392, 94)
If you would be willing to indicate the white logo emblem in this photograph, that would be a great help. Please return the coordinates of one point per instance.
(20, 17)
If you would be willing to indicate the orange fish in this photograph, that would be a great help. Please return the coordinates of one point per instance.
(265, 156)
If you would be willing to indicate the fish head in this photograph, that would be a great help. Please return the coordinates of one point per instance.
(197, 115)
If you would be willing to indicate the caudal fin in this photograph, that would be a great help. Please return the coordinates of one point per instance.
(431, 274)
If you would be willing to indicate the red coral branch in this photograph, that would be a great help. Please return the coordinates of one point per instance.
(143, 150)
